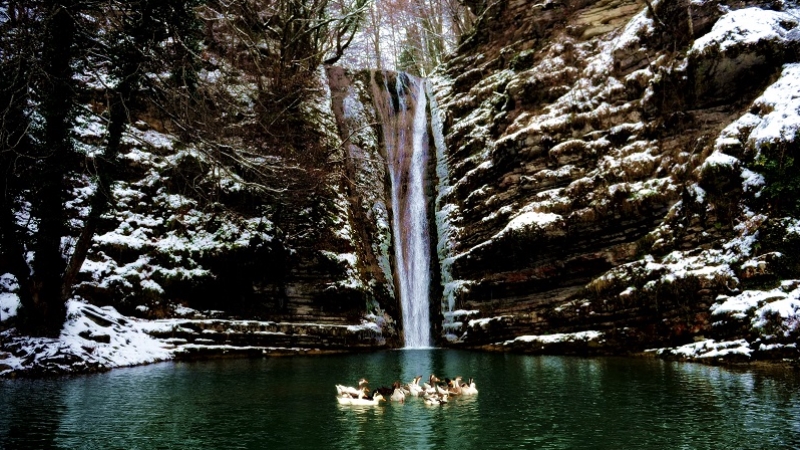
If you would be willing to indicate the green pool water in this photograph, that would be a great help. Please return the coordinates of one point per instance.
(523, 402)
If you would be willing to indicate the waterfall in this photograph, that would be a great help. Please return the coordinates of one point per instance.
(405, 128)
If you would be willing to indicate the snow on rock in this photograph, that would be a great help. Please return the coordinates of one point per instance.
(486, 321)
(647, 276)
(530, 220)
(708, 349)
(581, 342)
(640, 25)
(780, 109)
(349, 263)
(365, 325)
(752, 181)
(771, 320)
(93, 338)
(740, 51)
(739, 306)
(545, 339)
(453, 326)
(746, 27)
(9, 303)
(719, 159)
(109, 337)
(774, 117)
(169, 232)
(459, 314)
(781, 316)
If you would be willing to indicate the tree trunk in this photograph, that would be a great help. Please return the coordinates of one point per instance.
(43, 308)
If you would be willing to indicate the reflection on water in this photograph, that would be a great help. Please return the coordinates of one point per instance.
(524, 402)
(29, 416)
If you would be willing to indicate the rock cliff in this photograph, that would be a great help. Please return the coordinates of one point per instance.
(611, 176)
(205, 234)
(617, 178)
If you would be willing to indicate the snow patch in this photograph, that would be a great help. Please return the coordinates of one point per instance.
(787, 311)
(98, 336)
(780, 104)
(747, 26)
(528, 221)
(9, 304)
(546, 339)
(710, 348)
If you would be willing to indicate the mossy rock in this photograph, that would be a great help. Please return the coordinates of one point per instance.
(720, 180)
(774, 236)
(522, 60)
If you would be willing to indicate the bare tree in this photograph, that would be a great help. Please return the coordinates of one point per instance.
(417, 33)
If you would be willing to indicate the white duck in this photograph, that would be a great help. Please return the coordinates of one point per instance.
(366, 401)
(455, 386)
(350, 391)
(413, 388)
(435, 399)
(398, 396)
(430, 387)
(469, 388)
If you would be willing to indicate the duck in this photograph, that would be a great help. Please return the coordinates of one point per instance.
(398, 395)
(469, 388)
(454, 387)
(350, 391)
(435, 399)
(430, 387)
(386, 391)
(413, 388)
(374, 400)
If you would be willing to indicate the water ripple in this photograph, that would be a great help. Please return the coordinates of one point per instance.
(524, 402)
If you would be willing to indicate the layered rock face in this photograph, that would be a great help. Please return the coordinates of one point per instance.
(609, 176)
(603, 177)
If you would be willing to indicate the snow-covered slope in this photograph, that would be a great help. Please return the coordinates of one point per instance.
(100, 338)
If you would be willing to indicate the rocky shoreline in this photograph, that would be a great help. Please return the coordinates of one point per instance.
(100, 339)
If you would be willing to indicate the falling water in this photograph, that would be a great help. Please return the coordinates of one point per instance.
(405, 130)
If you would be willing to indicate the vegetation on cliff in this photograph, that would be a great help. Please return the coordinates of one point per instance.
(159, 155)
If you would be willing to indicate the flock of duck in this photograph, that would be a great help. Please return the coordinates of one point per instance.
(434, 392)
